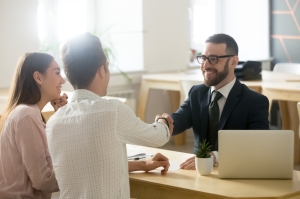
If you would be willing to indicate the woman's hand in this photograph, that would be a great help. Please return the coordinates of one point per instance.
(60, 102)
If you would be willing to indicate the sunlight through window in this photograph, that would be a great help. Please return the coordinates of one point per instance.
(41, 22)
(203, 22)
(59, 20)
(71, 18)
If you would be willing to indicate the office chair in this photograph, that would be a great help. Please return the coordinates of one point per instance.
(298, 107)
(186, 85)
(288, 108)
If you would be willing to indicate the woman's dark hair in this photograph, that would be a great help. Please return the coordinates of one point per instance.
(24, 89)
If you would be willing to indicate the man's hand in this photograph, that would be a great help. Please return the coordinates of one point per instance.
(158, 160)
(169, 119)
(214, 157)
(60, 102)
(189, 164)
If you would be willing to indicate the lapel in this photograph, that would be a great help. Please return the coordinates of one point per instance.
(204, 111)
(232, 100)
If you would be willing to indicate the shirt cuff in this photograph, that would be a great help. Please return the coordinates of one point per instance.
(217, 156)
(167, 128)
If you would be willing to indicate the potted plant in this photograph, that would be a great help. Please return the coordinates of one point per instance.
(203, 159)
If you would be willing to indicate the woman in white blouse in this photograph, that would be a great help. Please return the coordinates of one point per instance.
(25, 164)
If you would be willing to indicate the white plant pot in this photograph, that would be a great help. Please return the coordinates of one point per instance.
(204, 166)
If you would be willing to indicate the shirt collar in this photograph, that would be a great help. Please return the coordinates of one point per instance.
(84, 94)
(225, 89)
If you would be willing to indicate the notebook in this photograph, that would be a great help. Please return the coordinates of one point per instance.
(261, 154)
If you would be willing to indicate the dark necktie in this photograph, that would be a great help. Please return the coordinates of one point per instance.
(213, 125)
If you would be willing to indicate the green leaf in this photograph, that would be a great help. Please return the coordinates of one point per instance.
(203, 149)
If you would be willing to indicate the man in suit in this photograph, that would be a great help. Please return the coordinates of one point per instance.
(222, 102)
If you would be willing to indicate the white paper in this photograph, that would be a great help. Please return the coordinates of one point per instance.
(173, 166)
(133, 153)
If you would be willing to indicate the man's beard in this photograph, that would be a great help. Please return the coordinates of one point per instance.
(220, 75)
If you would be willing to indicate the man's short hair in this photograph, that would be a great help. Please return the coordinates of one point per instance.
(82, 56)
(231, 45)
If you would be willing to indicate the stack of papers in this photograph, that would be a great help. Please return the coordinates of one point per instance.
(136, 155)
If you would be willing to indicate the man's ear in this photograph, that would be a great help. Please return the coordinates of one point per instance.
(37, 77)
(101, 72)
(235, 61)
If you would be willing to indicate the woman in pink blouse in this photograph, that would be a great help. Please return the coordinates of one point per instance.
(25, 163)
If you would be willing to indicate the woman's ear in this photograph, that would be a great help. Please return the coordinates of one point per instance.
(37, 77)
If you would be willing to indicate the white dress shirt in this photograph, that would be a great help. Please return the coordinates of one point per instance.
(87, 140)
(225, 90)
(221, 102)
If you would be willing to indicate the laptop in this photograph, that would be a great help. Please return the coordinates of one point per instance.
(260, 154)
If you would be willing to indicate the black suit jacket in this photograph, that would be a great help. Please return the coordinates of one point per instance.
(244, 109)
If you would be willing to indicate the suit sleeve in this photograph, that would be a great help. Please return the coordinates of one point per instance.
(183, 116)
(259, 114)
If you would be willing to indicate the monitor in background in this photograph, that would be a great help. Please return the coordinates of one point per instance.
(266, 154)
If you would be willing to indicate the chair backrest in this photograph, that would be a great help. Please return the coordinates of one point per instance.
(186, 85)
(292, 68)
(298, 107)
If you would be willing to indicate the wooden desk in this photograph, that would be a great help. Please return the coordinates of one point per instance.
(286, 89)
(48, 109)
(288, 94)
(189, 184)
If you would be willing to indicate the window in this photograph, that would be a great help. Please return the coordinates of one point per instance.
(65, 21)
(119, 29)
(72, 18)
(59, 20)
(235, 18)
(203, 22)
(121, 22)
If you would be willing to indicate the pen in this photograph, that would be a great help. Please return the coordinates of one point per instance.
(141, 157)
(138, 158)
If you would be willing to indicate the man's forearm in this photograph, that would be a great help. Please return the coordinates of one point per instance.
(136, 165)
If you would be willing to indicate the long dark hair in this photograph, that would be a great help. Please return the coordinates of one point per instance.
(24, 89)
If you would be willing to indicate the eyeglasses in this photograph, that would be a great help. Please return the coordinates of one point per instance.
(212, 59)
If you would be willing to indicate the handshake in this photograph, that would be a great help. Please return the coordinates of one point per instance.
(167, 120)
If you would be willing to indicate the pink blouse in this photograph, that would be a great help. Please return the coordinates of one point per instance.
(25, 164)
